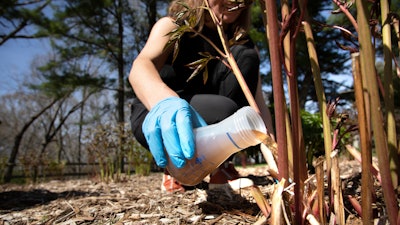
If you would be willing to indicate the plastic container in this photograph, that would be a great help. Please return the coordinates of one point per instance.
(216, 142)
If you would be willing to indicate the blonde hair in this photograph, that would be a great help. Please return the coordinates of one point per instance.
(177, 7)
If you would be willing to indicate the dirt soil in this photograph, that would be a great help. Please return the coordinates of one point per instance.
(139, 200)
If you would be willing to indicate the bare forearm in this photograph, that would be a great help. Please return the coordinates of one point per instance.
(147, 84)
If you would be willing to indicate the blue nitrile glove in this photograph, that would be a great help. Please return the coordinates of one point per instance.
(169, 125)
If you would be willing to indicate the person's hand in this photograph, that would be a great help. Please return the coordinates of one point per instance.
(169, 125)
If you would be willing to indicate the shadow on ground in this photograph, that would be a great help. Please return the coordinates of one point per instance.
(20, 200)
(226, 200)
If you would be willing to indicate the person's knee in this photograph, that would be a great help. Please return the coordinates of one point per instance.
(138, 113)
(213, 108)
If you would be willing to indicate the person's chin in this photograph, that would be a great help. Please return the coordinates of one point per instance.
(229, 20)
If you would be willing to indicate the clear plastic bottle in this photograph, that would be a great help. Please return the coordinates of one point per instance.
(216, 142)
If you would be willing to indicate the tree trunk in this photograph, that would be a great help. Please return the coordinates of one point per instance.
(121, 86)
(17, 142)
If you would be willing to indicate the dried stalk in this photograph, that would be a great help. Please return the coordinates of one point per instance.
(311, 219)
(261, 201)
(319, 169)
(238, 74)
(366, 158)
(232, 62)
(373, 167)
(261, 221)
(268, 153)
(276, 213)
(337, 189)
(289, 142)
(368, 71)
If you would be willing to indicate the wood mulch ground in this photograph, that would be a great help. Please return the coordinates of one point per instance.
(139, 200)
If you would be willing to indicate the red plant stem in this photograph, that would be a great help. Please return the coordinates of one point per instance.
(347, 13)
(299, 170)
(279, 98)
(356, 205)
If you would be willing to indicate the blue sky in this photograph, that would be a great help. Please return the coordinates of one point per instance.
(16, 58)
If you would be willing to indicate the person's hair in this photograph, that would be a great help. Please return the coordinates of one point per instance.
(178, 6)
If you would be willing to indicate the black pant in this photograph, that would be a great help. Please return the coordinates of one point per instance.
(225, 97)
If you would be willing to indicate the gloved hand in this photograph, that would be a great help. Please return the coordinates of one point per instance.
(169, 125)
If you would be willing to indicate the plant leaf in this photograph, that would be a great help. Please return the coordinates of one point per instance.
(200, 64)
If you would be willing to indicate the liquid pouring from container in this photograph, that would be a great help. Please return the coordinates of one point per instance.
(216, 142)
